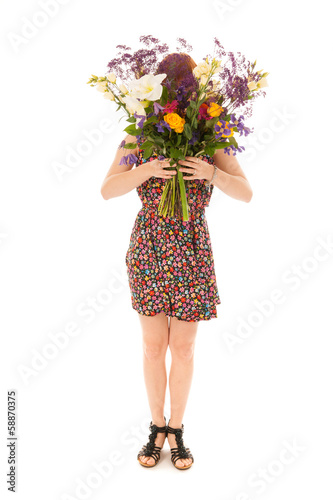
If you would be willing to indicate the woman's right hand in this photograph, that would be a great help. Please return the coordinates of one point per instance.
(158, 168)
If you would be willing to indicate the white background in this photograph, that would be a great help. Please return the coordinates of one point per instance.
(61, 244)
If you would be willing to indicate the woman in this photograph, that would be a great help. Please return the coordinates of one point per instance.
(171, 271)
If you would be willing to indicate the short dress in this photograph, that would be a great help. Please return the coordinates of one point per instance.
(170, 263)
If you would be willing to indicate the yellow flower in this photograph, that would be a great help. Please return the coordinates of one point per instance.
(175, 121)
(214, 109)
(226, 126)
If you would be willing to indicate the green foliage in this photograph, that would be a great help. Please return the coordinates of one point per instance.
(187, 131)
(164, 96)
(132, 130)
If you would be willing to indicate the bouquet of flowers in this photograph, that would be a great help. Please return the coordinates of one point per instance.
(175, 108)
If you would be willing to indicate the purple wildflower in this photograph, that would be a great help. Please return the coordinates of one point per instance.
(141, 121)
(157, 108)
(128, 159)
(195, 137)
(161, 125)
(122, 144)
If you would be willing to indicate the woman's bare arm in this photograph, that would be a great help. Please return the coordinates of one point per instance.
(120, 179)
(230, 178)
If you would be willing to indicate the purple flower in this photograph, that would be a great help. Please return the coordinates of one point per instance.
(161, 157)
(128, 159)
(157, 108)
(140, 122)
(195, 138)
(122, 144)
(161, 125)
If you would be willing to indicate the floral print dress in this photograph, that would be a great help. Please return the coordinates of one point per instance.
(170, 264)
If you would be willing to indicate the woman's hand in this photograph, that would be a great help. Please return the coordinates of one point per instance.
(198, 168)
(158, 168)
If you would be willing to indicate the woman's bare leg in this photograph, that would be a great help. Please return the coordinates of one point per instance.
(155, 332)
(181, 342)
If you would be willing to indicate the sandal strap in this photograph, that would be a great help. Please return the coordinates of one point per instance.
(150, 452)
(176, 454)
(173, 430)
(181, 451)
(151, 449)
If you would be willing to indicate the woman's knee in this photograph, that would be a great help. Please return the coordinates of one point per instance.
(182, 350)
(154, 351)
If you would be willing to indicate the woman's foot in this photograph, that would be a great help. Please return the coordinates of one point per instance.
(159, 441)
(181, 462)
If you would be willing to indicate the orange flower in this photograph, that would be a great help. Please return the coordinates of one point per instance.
(214, 109)
(175, 121)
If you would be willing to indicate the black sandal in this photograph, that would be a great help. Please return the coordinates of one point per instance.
(181, 451)
(150, 449)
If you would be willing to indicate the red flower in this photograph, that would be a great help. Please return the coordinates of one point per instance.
(170, 107)
(203, 112)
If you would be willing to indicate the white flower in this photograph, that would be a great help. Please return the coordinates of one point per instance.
(102, 86)
(252, 85)
(133, 105)
(203, 79)
(109, 95)
(218, 69)
(123, 89)
(216, 84)
(111, 77)
(147, 87)
(202, 68)
(263, 83)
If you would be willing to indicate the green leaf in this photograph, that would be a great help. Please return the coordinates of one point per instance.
(152, 119)
(148, 152)
(221, 145)
(131, 119)
(209, 150)
(187, 131)
(176, 153)
(233, 141)
(164, 96)
(130, 145)
(147, 144)
(132, 130)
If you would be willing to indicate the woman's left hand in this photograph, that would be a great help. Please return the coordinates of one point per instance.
(198, 168)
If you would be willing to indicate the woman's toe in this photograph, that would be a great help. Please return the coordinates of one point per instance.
(150, 461)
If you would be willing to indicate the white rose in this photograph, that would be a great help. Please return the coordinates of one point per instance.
(202, 68)
(111, 77)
